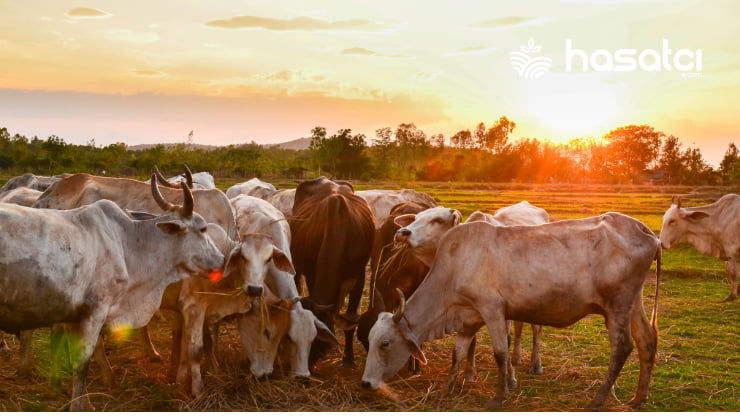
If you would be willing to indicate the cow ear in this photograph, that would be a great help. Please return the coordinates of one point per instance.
(323, 334)
(234, 261)
(456, 216)
(416, 352)
(405, 220)
(174, 227)
(281, 261)
(696, 215)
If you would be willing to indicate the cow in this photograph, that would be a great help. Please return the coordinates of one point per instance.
(22, 196)
(382, 201)
(257, 216)
(196, 181)
(94, 266)
(80, 189)
(204, 300)
(36, 182)
(713, 230)
(254, 187)
(552, 274)
(332, 237)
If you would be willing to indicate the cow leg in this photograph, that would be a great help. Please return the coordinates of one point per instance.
(498, 329)
(469, 373)
(535, 364)
(176, 346)
(4, 345)
(146, 341)
(647, 349)
(210, 345)
(731, 267)
(355, 295)
(516, 355)
(106, 372)
(25, 369)
(463, 342)
(193, 320)
(620, 347)
(88, 332)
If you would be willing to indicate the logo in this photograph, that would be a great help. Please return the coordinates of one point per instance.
(627, 59)
(529, 66)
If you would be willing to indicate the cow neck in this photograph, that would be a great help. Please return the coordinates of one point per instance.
(423, 312)
(141, 245)
(706, 237)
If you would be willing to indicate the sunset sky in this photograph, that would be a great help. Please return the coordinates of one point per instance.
(239, 71)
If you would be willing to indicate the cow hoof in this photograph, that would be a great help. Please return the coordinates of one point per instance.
(494, 404)
(730, 298)
(469, 377)
(535, 370)
(512, 383)
(349, 364)
(635, 403)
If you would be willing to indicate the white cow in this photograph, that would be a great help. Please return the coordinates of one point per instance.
(713, 230)
(254, 187)
(93, 266)
(256, 216)
(382, 201)
(22, 196)
(552, 274)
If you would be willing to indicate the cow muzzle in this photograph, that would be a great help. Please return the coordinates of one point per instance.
(254, 291)
(402, 235)
(366, 385)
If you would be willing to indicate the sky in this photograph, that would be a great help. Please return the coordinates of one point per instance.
(240, 71)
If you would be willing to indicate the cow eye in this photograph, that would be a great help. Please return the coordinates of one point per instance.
(672, 222)
(385, 343)
(203, 230)
(267, 334)
(437, 220)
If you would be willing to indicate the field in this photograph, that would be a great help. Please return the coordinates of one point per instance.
(698, 366)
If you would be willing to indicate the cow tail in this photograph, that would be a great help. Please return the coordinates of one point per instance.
(654, 315)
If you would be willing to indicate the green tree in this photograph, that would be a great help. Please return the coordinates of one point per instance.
(632, 149)
(729, 168)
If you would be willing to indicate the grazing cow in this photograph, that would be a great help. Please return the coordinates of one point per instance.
(254, 215)
(713, 230)
(204, 300)
(36, 182)
(22, 196)
(254, 187)
(333, 233)
(392, 268)
(93, 266)
(382, 201)
(552, 274)
(80, 189)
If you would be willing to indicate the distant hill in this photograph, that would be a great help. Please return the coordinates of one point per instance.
(150, 145)
(297, 144)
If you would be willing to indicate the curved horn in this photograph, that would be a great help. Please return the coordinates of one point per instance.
(160, 178)
(401, 306)
(188, 175)
(161, 202)
(188, 202)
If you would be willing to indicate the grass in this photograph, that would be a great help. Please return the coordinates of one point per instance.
(698, 366)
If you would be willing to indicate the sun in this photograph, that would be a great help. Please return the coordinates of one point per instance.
(572, 105)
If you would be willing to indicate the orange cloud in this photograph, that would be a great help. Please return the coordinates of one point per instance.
(370, 53)
(87, 13)
(303, 24)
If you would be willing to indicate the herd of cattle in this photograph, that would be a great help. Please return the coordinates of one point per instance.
(86, 254)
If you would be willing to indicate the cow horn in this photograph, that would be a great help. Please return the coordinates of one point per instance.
(188, 175)
(676, 200)
(160, 178)
(188, 202)
(401, 306)
(164, 205)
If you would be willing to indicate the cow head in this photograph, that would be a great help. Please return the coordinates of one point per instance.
(188, 230)
(421, 232)
(391, 344)
(678, 223)
(250, 261)
(304, 329)
(261, 331)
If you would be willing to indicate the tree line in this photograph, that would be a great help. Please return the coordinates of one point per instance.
(629, 154)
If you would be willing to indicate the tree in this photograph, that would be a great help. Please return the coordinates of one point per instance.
(462, 139)
(729, 168)
(632, 148)
(341, 154)
(496, 139)
(671, 160)
(697, 169)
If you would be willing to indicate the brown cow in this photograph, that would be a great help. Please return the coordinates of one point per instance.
(333, 232)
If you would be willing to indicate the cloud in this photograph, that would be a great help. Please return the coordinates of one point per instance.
(148, 73)
(87, 13)
(359, 51)
(423, 76)
(479, 50)
(302, 24)
(133, 37)
(506, 22)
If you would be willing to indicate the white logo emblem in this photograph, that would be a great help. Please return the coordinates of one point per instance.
(530, 67)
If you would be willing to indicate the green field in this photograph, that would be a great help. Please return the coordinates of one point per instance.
(698, 366)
